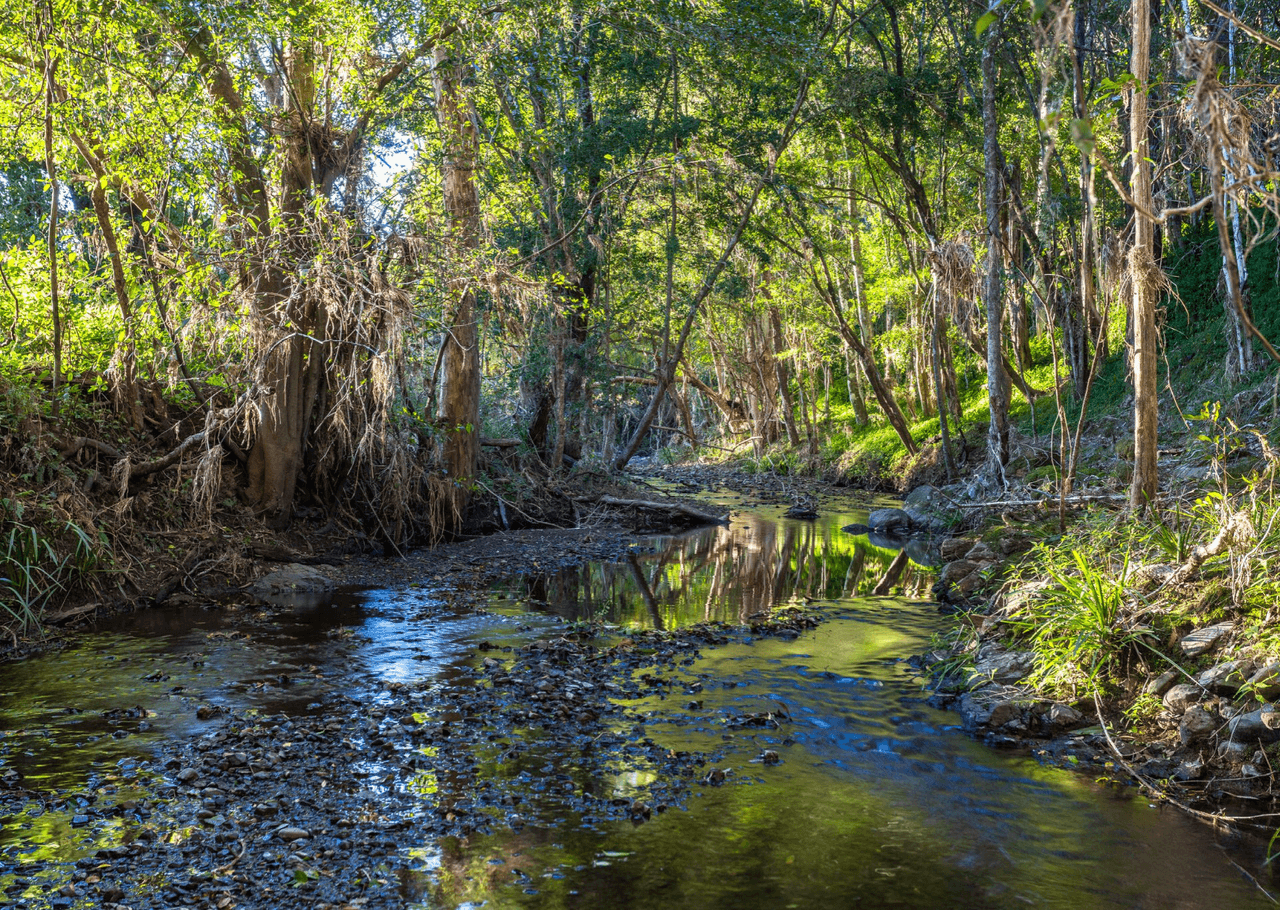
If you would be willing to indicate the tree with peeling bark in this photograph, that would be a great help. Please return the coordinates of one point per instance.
(1142, 271)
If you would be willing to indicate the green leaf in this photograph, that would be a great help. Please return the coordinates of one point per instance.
(985, 22)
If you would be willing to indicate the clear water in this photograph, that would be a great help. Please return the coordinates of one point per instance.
(879, 800)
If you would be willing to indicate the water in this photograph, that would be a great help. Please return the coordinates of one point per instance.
(878, 800)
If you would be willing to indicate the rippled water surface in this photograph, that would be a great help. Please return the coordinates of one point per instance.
(878, 800)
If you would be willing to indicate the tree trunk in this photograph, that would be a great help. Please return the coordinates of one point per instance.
(460, 395)
(782, 375)
(997, 380)
(51, 169)
(125, 385)
(1142, 264)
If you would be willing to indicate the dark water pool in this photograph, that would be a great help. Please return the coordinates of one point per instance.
(877, 800)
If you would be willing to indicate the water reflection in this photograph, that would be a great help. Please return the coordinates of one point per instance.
(879, 801)
(732, 574)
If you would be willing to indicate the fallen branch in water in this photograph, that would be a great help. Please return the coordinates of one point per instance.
(668, 508)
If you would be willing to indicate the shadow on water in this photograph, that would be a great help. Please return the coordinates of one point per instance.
(853, 793)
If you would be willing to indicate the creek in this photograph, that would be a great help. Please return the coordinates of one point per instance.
(844, 789)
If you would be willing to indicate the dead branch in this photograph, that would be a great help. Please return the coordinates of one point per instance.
(669, 508)
(73, 448)
(151, 467)
(1238, 528)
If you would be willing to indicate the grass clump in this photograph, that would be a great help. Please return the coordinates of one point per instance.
(1082, 624)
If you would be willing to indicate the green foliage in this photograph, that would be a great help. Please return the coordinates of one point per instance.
(1079, 626)
(36, 568)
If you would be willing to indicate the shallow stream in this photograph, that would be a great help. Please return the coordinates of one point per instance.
(854, 792)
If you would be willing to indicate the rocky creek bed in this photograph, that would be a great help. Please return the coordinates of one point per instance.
(271, 811)
(348, 797)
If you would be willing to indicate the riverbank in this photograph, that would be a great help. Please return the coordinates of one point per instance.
(1139, 651)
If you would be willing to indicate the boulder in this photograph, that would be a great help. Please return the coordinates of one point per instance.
(1013, 544)
(1203, 641)
(980, 552)
(890, 521)
(1197, 725)
(294, 578)
(1227, 678)
(954, 572)
(1162, 683)
(1064, 717)
(1251, 727)
(1003, 666)
(1178, 698)
(1004, 713)
(954, 548)
(931, 509)
(974, 711)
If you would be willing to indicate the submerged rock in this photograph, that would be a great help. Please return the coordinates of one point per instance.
(294, 578)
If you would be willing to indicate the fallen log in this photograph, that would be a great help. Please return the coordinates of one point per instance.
(668, 508)
(1048, 499)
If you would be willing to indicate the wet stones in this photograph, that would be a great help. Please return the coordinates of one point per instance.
(994, 664)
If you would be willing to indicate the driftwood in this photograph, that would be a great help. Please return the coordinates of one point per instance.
(668, 508)
(72, 613)
(500, 443)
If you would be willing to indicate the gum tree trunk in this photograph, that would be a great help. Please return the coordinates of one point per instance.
(1142, 265)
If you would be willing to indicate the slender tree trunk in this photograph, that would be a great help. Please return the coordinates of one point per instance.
(935, 341)
(997, 380)
(853, 383)
(1088, 241)
(783, 376)
(51, 169)
(125, 388)
(460, 396)
(1142, 264)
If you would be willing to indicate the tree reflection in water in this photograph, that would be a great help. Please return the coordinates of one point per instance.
(731, 574)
